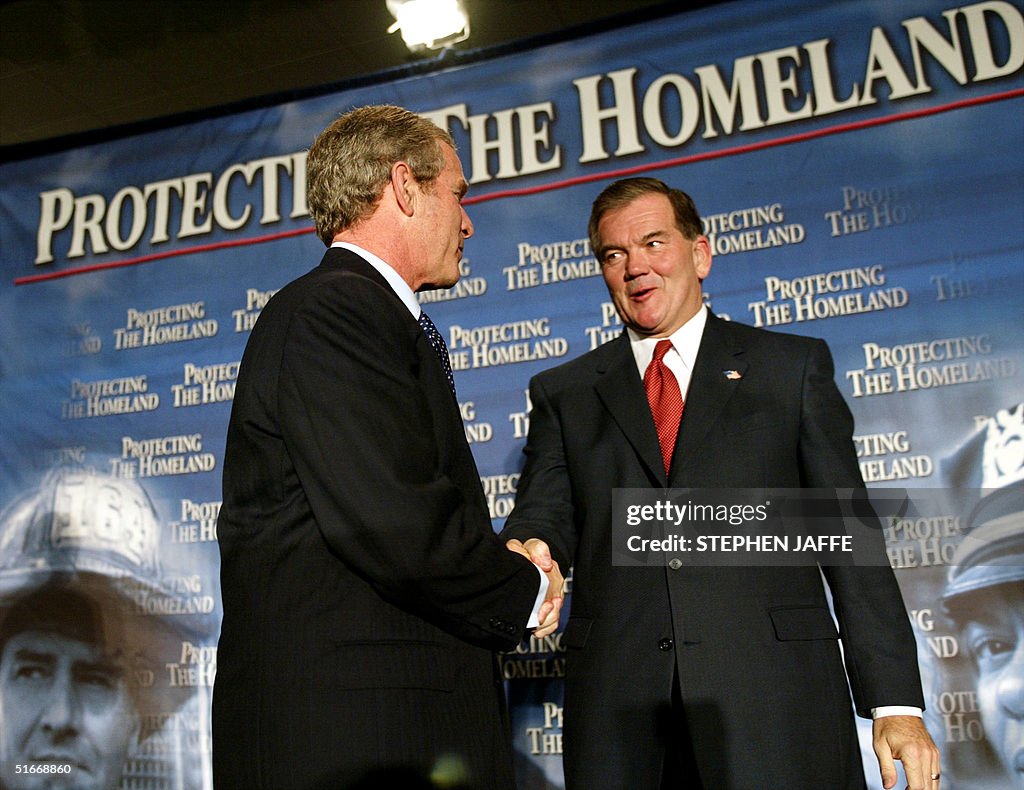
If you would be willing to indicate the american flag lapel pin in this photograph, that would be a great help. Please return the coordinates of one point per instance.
(732, 375)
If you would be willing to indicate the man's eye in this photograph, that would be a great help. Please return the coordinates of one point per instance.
(612, 257)
(32, 672)
(102, 680)
(990, 652)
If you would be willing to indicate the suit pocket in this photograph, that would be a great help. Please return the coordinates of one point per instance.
(754, 421)
(576, 632)
(797, 623)
(397, 664)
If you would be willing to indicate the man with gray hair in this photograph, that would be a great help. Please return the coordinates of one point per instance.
(364, 589)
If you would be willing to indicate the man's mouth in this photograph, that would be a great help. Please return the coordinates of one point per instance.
(639, 294)
(60, 759)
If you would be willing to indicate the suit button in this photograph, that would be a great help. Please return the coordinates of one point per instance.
(510, 628)
(675, 563)
(495, 622)
(665, 644)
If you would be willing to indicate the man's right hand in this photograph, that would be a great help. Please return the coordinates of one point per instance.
(539, 554)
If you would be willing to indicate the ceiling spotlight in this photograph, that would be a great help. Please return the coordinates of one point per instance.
(429, 24)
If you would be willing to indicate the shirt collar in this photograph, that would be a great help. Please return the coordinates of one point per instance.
(398, 285)
(685, 342)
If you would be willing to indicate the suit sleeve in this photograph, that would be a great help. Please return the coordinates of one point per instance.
(544, 503)
(879, 647)
(364, 438)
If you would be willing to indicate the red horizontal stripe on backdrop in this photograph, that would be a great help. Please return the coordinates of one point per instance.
(219, 245)
(628, 171)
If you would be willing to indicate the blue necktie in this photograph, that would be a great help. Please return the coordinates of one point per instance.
(438, 344)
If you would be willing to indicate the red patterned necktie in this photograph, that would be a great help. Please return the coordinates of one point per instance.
(665, 399)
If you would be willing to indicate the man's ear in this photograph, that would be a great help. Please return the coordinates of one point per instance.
(702, 256)
(404, 186)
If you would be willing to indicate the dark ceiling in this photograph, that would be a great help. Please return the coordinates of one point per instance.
(69, 68)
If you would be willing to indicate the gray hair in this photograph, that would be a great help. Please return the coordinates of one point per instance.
(350, 162)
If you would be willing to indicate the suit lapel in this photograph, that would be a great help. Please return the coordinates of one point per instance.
(717, 373)
(620, 389)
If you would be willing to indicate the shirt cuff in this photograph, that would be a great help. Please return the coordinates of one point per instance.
(534, 620)
(896, 710)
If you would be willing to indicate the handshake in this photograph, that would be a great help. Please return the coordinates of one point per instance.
(537, 552)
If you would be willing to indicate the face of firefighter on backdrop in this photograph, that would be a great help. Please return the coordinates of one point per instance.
(67, 718)
(984, 591)
(993, 635)
(80, 654)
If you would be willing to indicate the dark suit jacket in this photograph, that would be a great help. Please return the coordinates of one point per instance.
(364, 590)
(755, 649)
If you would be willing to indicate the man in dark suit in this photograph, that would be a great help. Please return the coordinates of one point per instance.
(715, 677)
(364, 589)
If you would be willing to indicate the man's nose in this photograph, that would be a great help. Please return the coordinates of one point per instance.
(61, 708)
(635, 265)
(467, 225)
(1010, 688)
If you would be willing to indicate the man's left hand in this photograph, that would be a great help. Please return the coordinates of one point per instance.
(905, 738)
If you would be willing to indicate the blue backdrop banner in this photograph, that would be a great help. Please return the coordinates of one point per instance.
(858, 167)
